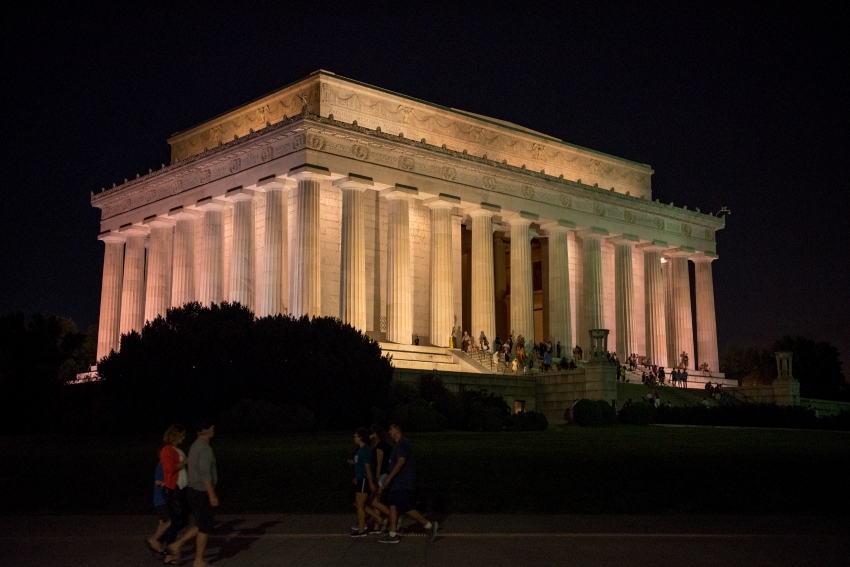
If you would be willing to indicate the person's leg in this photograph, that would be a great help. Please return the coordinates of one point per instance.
(154, 540)
(360, 499)
(174, 549)
(200, 547)
(393, 520)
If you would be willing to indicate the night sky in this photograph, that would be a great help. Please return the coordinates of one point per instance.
(732, 107)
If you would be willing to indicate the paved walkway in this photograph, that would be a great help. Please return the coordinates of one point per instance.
(474, 540)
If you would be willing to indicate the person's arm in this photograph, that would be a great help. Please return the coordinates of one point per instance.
(205, 470)
(210, 488)
(380, 453)
(396, 469)
(370, 478)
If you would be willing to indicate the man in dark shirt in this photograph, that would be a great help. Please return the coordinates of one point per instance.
(402, 486)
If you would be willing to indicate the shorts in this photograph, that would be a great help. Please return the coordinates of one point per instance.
(162, 512)
(402, 500)
(361, 487)
(199, 501)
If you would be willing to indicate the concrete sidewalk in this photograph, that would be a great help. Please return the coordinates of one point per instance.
(474, 540)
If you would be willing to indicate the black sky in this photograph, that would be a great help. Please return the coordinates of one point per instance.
(735, 106)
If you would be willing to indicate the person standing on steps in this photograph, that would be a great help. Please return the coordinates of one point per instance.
(402, 487)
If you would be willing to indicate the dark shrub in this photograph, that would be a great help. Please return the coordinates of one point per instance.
(264, 418)
(401, 393)
(418, 415)
(529, 421)
(640, 413)
(592, 413)
(483, 418)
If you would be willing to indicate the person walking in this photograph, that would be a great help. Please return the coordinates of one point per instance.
(402, 487)
(683, 378)
(174, 481)
(380, 462)
(364, 482)
(657, 399)
(154, 542)
(203, 476)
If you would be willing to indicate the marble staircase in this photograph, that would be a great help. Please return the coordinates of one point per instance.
(424, 358)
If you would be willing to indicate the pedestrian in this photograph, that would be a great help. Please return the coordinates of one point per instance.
(201, 493)
(657, 399)
(515, 363)
(154, 542)
(380, 461)
(402, 487)
(497, 344)
(364, 482)
(495, 360)
(174, 481)
(464, 342)
(547, 361)
(558, 350)
(705, 402)
(683, 378)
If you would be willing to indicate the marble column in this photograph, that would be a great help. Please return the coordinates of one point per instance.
(560, 322)
(211, 284)
(160, 254)
(706, 322)
(442, 283)
(108, 330)
(655, 287)
(594, 306)
(399, 276)
(522, 283)
(670, 320)
(482, 278)
(681, 304)
(624, 291)
(242, 267)
(183, 268)
(133, 286)
(352, 272)
(305, 276)
(500, 279)
(275, 245)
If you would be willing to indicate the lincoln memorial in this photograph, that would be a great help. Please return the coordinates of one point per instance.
(405, 219)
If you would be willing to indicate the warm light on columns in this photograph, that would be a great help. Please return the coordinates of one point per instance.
(399, 280)
(183, 271)
(654, 302)
(706, 322)
(275, 244)
(594, 306)
(482, 279)
(442, 285)
(624, 295)
(560, 321)
(305, 266)
(211, 284)
(160, 253)
(108, 330)
(522, 283)
(352, 270)
(133, 288)
(242, 271)
(680, 302)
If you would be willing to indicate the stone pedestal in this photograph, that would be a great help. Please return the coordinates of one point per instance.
(160, 252)
(624, 295)
(108, 331)
(352, 276)
(399, 284)
(654, 302)
(522, 285)
(560, 321)
(275, 245)
(442, 283)
(599, 372)
(483, 285)
(211, 284)
(183, 271)
(133, 288)
(305, 285)
(707, 352)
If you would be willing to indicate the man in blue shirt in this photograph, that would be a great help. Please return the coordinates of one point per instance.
(402, 487)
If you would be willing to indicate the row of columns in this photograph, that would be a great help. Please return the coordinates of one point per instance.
(293, 265)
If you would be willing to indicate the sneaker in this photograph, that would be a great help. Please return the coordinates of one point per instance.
(374, 530)
(389, 539)
(359, 534)
(433, 530)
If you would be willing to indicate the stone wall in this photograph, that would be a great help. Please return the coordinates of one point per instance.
(510, 387)
(825, 407)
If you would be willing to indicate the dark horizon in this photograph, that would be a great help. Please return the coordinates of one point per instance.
(734, 108)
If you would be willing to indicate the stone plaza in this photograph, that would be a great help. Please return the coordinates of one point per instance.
(406, 220)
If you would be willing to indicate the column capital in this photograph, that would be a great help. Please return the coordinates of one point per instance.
(240, 194)
(680, 252)
(623, 239)
(158, 221)
(309, 171)
(131, 229)
(110, 236)
(180, 213)
(559, 225)
(593, 232)
(400, 191)
(522, 217)
(653, 246)
(707, 256)
(275, 182)
(354, 181)
(210, 204)
(442, 201)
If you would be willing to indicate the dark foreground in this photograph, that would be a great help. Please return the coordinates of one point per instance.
(474, 540)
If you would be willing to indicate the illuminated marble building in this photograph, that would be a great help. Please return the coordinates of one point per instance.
(405, 218)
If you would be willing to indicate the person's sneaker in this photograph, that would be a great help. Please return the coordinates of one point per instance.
(374, 530)
(359, 534)
(433, 535)
(389, 539)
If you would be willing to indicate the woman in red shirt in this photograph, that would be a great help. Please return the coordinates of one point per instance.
(173, 489)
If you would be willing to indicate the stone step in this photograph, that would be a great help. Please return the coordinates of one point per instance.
(420, 365)
(394, 347)
(420, 356)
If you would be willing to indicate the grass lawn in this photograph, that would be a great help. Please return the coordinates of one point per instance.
(563, 470)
